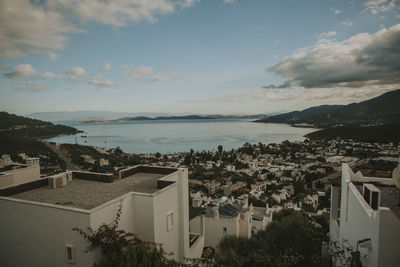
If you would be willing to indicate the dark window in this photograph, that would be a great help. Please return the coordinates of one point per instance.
(366, 194)
(374, 202)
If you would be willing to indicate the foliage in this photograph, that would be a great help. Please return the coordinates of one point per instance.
(291, 240)
(120, 248)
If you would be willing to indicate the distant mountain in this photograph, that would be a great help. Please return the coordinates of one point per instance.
(186, 117)
(383, 109)
(86, 115)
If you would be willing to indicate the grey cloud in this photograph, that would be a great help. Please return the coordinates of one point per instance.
(362, 60)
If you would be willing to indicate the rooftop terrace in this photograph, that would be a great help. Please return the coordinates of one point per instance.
(87, 193)
(389, 197)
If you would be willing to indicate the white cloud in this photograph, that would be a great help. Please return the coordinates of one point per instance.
(106, 66)
(76, 72)
(21, 72)
(360, 61)
(50, 75)
(337, 11)
(377, 6)
(53, 56)
(146, 73)
(43, 26)
(140, 72)
(118, 13)
(347, 23)
(29, 28)
(161, 78)
(327, 34)
(101, 83)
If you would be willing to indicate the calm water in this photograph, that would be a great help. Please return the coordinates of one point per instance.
(180, 135)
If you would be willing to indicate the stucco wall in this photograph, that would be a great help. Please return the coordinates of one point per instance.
(36, 235)
(389, 238)
(166, 202)
(21, 175)
(214, 229)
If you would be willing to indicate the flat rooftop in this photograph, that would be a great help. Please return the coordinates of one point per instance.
(389, 197)
(87, 194)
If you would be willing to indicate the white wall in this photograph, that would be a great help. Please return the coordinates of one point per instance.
(36, 235)
(389, 238)
(164, 203)
(106, 213)
(21, 175)
(214, 229)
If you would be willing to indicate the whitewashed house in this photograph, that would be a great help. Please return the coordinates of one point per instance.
(365, 212)
(40, 215)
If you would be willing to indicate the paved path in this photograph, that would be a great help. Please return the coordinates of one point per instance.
(68, 163)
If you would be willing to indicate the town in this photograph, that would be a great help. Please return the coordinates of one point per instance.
(233, 192)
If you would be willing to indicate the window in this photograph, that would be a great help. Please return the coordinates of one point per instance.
(70, 253)
(225, 229)
(170, 220)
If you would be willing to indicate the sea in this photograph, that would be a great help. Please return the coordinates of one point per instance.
(173, 136)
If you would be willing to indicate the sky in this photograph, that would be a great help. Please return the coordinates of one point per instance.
(195, 56)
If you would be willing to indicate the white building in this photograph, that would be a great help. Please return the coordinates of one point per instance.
(16, 173)
(233, 218)
(369, 217)
(37, 230)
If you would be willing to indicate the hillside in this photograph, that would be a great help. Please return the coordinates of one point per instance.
(382, 133)
(383, 109)
(299, 116)
(14, 125)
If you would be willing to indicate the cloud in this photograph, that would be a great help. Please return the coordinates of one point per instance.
(337, 11)
(362, 60)
(27, 27)
(76, 72)
(347, 23)
(161, 78)
(41, 26)
(50, 75)
(327, 34)
(106, 66)
(101, 83)
(118, 13)
(140, 72)
(53, 56)
(21, 72)
(146, 73)
(229, 1)
(377, 6)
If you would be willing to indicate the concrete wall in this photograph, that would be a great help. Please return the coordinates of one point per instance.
(165, 203)
(359, 221)
(389, 238)
(21, 175)
(6, 179)
(36, 235)
(214, 229)
(106, 213)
